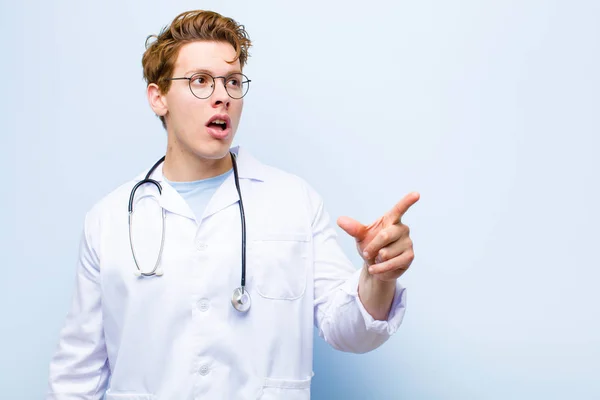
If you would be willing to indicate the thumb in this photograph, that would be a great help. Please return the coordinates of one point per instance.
(352, 227)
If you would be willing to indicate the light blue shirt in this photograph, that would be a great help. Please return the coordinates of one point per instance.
(198, 193)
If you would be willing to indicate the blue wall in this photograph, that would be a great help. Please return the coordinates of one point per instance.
(489, 109)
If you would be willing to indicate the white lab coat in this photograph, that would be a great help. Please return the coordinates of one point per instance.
(177, 336)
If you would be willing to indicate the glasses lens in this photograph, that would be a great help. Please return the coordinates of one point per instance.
(237, 85)
(202, 85)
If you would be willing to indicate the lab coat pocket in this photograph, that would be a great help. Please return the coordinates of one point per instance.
(280, 264)
(277, 389)
(129, 396)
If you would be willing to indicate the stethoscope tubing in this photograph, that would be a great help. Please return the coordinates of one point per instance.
(239, 293)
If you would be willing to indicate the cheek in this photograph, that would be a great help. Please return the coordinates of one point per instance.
(189, 111)
(236, 111)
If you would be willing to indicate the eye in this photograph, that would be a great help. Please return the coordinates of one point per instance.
(233, 82)
(200, 80)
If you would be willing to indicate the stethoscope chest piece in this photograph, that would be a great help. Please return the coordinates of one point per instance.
(241, 300)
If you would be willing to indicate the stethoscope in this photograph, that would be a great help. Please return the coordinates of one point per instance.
(241, 298)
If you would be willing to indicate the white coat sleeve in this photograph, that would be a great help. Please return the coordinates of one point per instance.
(79, 367)
(340, 317)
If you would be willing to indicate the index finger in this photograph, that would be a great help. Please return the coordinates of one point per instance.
(403, 205)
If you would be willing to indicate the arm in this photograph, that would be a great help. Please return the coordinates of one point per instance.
(376, 295)
(79, 368)
(387, 250)
(341, 317)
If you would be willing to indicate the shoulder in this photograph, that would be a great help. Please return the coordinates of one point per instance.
(284, 183)
(278, 189)
(113, 203)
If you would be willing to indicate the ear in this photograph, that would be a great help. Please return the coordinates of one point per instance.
(157, 101)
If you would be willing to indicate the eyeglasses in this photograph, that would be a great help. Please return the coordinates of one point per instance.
(202, 85)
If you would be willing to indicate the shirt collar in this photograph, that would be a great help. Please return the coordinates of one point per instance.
(248, 168)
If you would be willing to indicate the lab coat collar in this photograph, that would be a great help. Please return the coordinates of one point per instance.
(248, 168)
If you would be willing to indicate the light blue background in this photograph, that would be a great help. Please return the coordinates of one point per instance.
(489, 108)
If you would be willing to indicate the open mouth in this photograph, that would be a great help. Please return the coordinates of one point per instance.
(219, 122)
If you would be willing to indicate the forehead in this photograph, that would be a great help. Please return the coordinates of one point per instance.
(203, 55)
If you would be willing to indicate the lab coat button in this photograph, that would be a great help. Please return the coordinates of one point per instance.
(204, 370)
(203, 304)
(202, 246)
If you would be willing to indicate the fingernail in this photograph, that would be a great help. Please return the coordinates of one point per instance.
(371, 270)
(366, 254)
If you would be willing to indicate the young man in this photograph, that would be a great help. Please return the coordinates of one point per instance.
(155, 314)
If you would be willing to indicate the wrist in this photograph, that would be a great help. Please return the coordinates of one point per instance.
(374, 282)
(376, 295)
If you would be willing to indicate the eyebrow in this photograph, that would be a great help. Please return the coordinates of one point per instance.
(206, 71)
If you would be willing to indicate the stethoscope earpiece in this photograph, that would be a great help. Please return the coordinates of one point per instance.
(240, 300)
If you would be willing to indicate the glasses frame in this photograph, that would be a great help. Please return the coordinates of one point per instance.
(214, 78)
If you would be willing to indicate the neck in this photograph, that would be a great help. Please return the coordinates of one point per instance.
(183, 167)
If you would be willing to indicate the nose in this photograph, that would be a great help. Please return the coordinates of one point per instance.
(220, 96)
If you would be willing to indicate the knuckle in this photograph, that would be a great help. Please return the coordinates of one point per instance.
(385, 236)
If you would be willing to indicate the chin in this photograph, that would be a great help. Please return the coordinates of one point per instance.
(213, 149)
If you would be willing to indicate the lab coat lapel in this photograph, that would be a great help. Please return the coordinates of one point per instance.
(225, 196)
(170, 199)
(248, 169)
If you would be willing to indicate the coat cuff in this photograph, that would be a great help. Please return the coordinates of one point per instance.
(395, 316)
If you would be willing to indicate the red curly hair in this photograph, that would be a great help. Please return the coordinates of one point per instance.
(161, 54)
